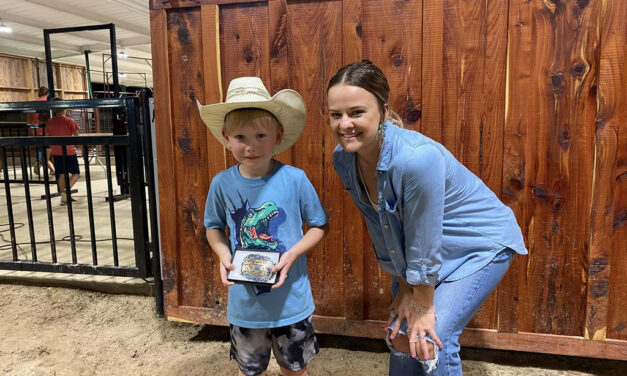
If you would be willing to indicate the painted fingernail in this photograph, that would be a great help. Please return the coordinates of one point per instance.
(391, 337)
(426, 358)
(413, 356)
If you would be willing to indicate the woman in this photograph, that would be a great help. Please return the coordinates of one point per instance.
(443, 235)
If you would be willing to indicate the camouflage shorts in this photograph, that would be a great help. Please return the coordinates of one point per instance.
(293, 346)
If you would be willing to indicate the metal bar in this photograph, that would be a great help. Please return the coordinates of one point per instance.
(114, 61)
(152, 203)
(90, 206)
(53, 244)
(120, 271)
(35, 106)
(49, 64)
(78, 28)
(114, 241)
(7, 189)
(13, 163)
(69, 205)
(136, 188)
(29, 208)
(64, 140)
(89, 91)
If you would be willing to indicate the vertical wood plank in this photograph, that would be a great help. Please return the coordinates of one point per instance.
(352, 31)
(609, 220)
(392, 41)
(565, 66)
(517, 127)
(190, 156)
(216, 158)
(432, 69)
(278, 43)
(314, 55)
(352, 222)
(244, 45)
(165, 173)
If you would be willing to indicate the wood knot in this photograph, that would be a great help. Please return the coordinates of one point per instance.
(564, 138)
(183, 35)
(398, 61)
(359, 29)
(582, 3)
(578, 69)
(599, 288)
(597, 265)
(248, 55)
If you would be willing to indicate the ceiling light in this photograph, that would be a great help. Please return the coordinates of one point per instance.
(4, 28)
(122, 75)
(122, 54)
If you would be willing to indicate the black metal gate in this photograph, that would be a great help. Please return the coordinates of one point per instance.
(40, 252)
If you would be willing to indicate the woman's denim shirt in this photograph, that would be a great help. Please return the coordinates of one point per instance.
(436, 220)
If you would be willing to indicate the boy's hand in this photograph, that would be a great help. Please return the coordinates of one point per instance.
(283, 266)
(225, 264)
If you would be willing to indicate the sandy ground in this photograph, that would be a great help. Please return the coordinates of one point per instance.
(58, 331)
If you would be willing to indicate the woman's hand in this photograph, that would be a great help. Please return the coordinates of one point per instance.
(283, 266)
(402, 307)
(420, 324)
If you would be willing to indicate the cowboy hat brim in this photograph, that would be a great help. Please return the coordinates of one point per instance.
(286, 105)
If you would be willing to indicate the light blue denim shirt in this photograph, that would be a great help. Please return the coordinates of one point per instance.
(436, 220)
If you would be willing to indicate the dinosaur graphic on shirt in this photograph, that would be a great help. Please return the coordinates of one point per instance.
(254, 230)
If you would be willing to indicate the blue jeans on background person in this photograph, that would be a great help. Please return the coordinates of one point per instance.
(455, 303)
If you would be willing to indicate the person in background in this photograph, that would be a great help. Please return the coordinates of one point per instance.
(61, 125)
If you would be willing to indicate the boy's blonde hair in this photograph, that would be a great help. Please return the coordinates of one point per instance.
(250, 117)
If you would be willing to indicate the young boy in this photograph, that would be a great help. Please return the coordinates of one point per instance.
(264, 204)
(61, 125)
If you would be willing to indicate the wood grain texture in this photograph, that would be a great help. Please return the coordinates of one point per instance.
(244, 46)
(165, 173)
(216, 157)
(314, 55)
(392, 41)
(565, 68)
(432, 69)
(173, 4)
(517, 126)
(609, 215)
(279, 67)
(529, 94)
(353, 226)
(189, 156)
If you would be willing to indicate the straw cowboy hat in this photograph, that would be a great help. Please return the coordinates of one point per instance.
(248, 92)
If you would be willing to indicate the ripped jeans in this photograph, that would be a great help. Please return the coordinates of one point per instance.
(455, 303)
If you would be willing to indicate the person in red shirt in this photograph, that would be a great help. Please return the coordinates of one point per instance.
(61, 125)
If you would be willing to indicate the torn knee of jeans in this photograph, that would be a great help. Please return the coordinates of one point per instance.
(393, 349)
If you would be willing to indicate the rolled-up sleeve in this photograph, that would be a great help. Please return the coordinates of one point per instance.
(423, 214)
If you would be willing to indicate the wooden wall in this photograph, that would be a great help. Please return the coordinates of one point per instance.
(21, 77)
(529, 94)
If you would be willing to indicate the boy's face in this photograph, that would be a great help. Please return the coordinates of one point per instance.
(253, 147)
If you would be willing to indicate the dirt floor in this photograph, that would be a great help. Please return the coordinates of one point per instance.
(59, 331)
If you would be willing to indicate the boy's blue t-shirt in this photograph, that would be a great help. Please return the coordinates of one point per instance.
(286, 189)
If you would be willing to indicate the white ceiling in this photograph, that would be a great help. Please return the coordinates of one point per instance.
(28, 18)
